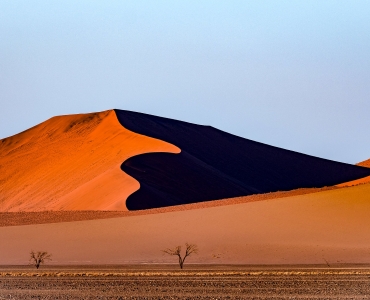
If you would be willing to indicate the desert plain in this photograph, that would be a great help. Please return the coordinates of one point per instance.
(194, 282)
(310, 249)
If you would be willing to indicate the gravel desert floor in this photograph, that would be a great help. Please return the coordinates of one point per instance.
(194, 282)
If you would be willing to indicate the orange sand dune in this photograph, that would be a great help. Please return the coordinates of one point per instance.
(330, 226)
(73, 163)
(365, 163)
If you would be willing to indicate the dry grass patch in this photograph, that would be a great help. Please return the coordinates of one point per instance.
(183, 273)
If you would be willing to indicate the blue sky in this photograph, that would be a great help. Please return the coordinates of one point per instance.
(293, 74)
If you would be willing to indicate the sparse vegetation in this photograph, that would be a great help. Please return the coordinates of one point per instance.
(38, 258)
(206, 282)
(190, 249)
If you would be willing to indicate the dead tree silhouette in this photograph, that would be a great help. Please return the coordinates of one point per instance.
(38, 258)
(190, 249)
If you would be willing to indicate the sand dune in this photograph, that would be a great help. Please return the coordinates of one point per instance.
(365, 163)
(330, 226)
(214, 164)
(118, 160)
(71, 163)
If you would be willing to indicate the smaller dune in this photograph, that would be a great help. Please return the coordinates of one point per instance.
(365, 163)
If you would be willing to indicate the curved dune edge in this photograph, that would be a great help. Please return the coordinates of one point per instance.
(328, 227)
(72, 163)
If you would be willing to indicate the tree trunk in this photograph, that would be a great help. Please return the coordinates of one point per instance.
(181, 262)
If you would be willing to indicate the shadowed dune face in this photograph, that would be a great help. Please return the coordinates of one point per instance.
(365, 164)
(330, 226)
(216, 165)
(71, 163)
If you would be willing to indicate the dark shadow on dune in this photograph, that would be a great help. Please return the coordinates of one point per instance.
(214, 164)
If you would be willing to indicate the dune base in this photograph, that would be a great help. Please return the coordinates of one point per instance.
(328, 227)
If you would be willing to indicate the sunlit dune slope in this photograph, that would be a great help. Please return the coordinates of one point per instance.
(319, 228)
(365, 163)
(215, 165)
(71, 163)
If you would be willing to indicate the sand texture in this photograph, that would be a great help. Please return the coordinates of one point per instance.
(193, 283)
(71, 163)
(324, 227)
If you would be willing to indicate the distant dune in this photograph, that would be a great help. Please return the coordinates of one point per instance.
(327, 227)
(71, 163)
(117, 160)
(365, 163)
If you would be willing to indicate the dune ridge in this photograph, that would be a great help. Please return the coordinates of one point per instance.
(71, 163)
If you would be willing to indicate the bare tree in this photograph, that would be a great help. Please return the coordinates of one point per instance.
(190, 248)
(37, 258)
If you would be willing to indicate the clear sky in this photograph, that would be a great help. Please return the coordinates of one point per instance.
(293, 74)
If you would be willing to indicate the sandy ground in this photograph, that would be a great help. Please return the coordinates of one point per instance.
(67, 164)
(226, 282)
(326, 227)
